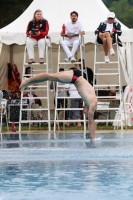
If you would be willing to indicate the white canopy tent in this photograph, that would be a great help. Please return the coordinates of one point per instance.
(91, 13)
(57, 12)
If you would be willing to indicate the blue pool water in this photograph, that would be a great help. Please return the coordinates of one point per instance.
(69, 167)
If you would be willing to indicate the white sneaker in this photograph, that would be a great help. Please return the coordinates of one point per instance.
(112, 53)
(106, 59)
(67, 59)
(73, 60)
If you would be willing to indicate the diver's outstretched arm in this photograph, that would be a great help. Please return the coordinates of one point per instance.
(35, 79)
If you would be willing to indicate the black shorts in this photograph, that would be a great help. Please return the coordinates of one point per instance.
(76, 74)
(99, 41)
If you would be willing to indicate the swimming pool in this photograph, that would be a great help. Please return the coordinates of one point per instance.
(69, 167)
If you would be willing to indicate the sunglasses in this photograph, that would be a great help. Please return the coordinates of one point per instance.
(110, 18)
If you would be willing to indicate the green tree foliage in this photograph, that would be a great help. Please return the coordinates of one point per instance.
(11, 9)
(123, 10)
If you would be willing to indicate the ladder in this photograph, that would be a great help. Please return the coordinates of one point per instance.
(3, 112)
(41, 88)
(111, 71)
(66, 65)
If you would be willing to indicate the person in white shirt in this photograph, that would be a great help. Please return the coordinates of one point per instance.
(74, 102)
(106, 34)
(1, 97)
(74, 28)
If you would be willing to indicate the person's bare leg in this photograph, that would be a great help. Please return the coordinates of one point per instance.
(109, 40)
(105, 46)
(63, 77)
(91, 122)
(91, 126)
(78, 123)
(68, 123)
(35, 79)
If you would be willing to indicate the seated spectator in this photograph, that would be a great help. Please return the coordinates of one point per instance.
(1, 97)
(36, 32)
(73, 29)
(61, 102)
(16, 94)
(28, 71)
(35, 103)
(74, 101)
(106, 34)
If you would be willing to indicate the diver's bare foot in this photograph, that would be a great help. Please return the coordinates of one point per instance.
(24, 83)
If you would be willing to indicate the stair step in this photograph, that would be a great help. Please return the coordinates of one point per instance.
(37, 86)
(108, 69)
(106, 108)
(109, 85)
(108, 97)
(35, 97)
(68, 63)
(34, 109)
(25, 64)
(100, 74)
(71, 120)
(30, 121)
(107, 120)
(115, 62)
(69, 108)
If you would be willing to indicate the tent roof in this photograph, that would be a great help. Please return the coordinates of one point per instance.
(57, 12)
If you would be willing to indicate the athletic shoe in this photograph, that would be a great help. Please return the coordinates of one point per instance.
(73, 60)
(67, 59)
(106, 59)
(112, 53)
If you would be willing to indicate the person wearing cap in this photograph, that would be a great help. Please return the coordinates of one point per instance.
(1, 97)
(106, 34)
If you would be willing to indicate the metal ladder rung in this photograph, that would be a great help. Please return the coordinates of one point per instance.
(39, 70)
(109, 85)
(107, 120)
(107, 108)
(25, 64)
(116, 62)
(69, 108)
(71, 120)
(35, 97)
(100, 74)
(108, 97)
(108, 69)
(67, 97)
(36, 68)
(37, 86)
(68, 63)
(34, 109)
(29, 121)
